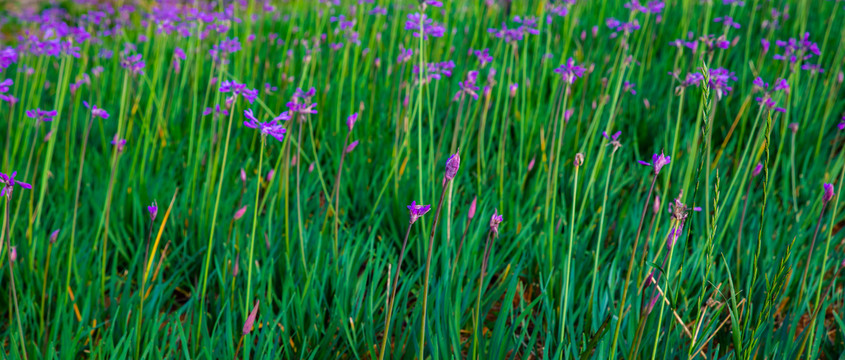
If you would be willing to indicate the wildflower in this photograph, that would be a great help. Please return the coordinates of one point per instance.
(270, 175)
(728, 21)
(512, 88)
(417, 211)
(153, 210)
(468, 86)
(569, 71)
(613, 140)
(250, 320)
(350, 121)
(119, 143)
(794, 50)
(271, 128)
(423, 26)
(13, 253)
(495, 220)
(351, 146)
(793, 127)
(54, 235)
(4, 88)
(452, 165)
(579, 159)
(757, 169)
(471, 212)
(629, 87)
(680, 211)
(657, 162)
(484, 56)
(134, 63)
(828, 192)
(656, 207)
(41, 115)
(7, 182)
(720, 81)
(96, 111)
(531, 163)
(405, 55)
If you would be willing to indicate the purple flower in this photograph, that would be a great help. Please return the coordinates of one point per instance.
(757, 169)
(782, 84)
(134, 63)
(729, 21)
(793, 127)
(765, 44)
(54, 236)
(41, 115)
(417, 211)
(569, 71)
(240, 213)
(7, 182)
(509, 35)
(495, 220)
(720, 81)
(271, 128)
(468, 86)
(96, 111)
(483, 56)
(4, 88)
(797, 49)
(378, 10)
(404, 54)
(452, 165)
(424, 26)
(471, 212)
(657, 162)
(119, 143)
(153, 210)
(629, 87)
(613, 140)
(828, 192)
(512, 89)
(351, 146)
(434, 3)
(350, 121)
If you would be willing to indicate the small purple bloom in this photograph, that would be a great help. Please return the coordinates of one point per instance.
(657, 162)
(495, 220)
(41, 115)
(96, 111)
(250, 320)
(7, 182)
(471, 212)
(828, 192)
(757, 169)
(153, 210)
(271, 128)
(350, 121)
(417, 211)
(119, 143)
(54, 236)
(569, 71)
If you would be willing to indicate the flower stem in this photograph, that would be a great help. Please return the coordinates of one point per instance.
(428, 268)
(564, 291)
(14, 293)
(252, 241)
(630, 270)
(391, 295)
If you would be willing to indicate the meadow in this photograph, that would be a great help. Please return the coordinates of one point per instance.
(374, 179)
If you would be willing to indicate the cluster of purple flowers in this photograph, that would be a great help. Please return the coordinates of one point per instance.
(435, 70)
(623, 27)
(41, 115)
(134, 63)
(795, 50)
(422, 25)
(272, 128)
(720, 81)
(528, 25)
(767, 100)
(468, 86)
(238, 89)
(219, 51)
(4, 88)
(652, 7)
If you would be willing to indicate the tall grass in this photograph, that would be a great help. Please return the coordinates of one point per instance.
(526, 91)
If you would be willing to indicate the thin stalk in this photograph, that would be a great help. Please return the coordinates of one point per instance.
(428, 268)
(336, 197)
(298, 192)
(630, 270)
(14, 293)
(490, 236)
(391, 294)
(564, 292)
(252, 239)
(70, 266)
(210, 246)
(601, 225)
(810, 254)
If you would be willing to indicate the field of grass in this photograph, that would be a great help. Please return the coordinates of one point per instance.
(374, 179)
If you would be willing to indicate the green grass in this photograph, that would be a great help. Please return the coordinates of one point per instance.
(318, 242)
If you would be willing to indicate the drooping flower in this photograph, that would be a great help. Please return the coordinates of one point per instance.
(7, 182)
(657, 162)
(579, 159)
(271, 128)
(452, 165)
(828, 192)
(417, 211)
